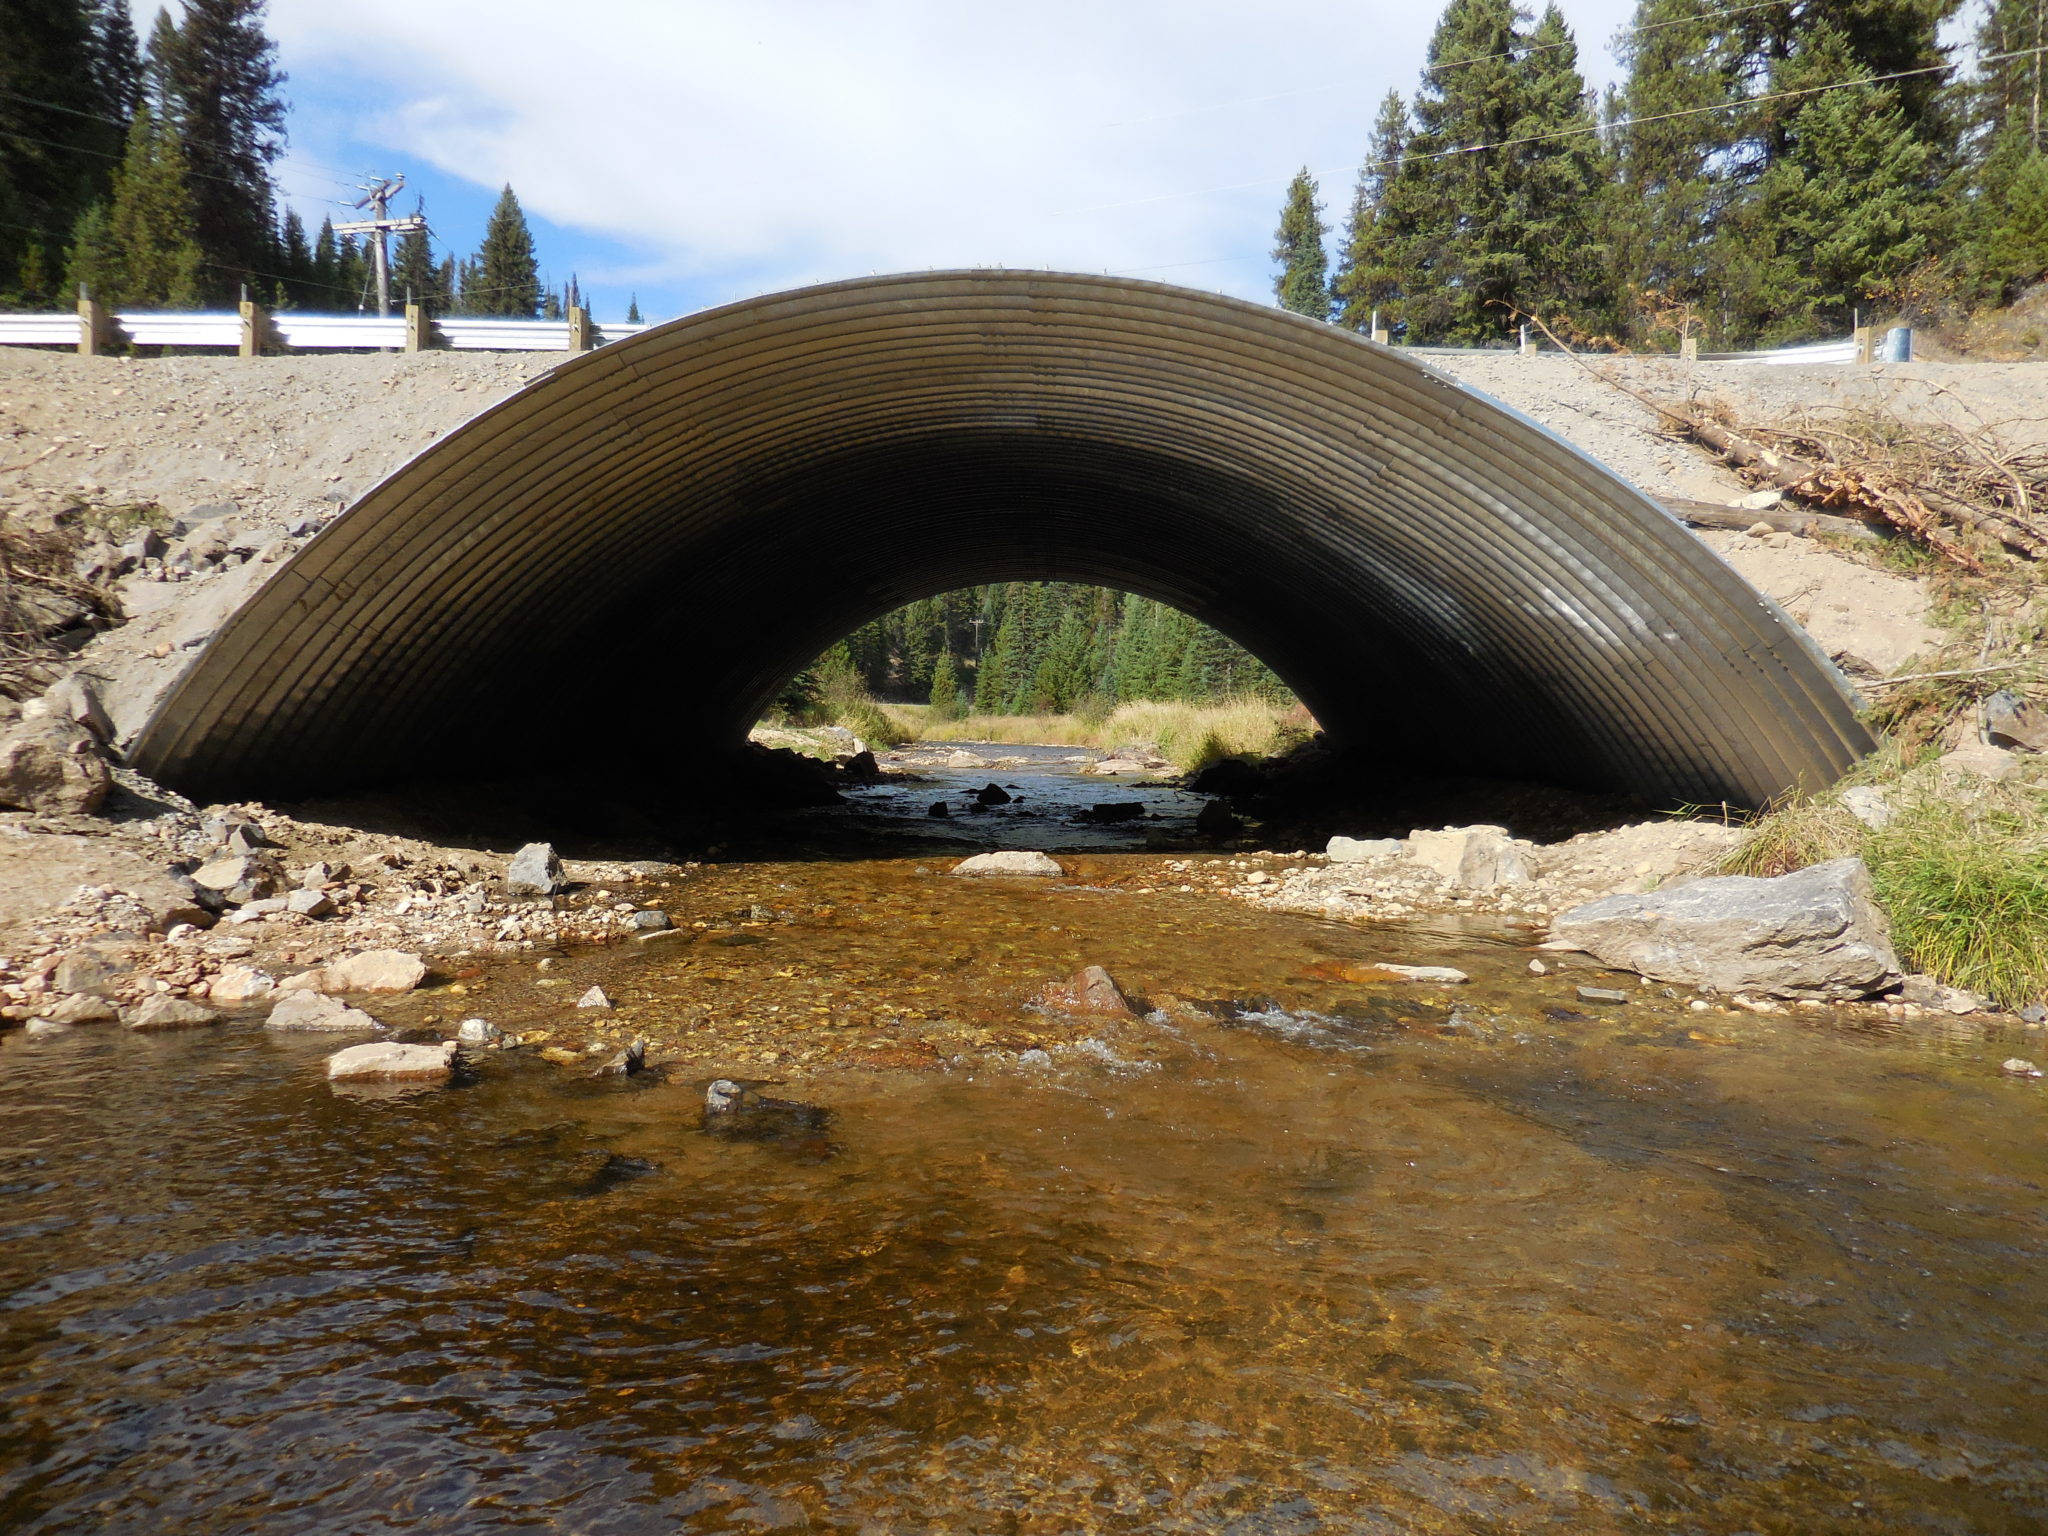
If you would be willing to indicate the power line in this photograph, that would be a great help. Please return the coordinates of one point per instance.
(1570, 133)
(1523, 51)
(124, 123)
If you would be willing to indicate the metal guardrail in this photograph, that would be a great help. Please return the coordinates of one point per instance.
(298, 332)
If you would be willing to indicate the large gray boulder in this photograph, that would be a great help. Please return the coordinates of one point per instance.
(53, 766)
(535, 871)
(1815, 933)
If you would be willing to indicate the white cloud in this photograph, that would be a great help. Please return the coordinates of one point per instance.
(785, 142)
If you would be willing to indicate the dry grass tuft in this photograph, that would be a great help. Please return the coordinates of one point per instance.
(1191, 736)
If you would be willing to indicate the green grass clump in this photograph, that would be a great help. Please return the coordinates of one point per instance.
(1966, 886)
(1963, 877)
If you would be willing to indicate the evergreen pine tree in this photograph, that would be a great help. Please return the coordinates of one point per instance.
(415, 275)
(633, 311)
(92, 264)
(1561, 266)
(944, 696)
(222, 81)
(54, 164)
(152, 219)
(508, 277)
(116, 59)
(1846, 208)
(295, 264)
(1370, 275)
(1303, 284)
(323, 276)
(2007, 249)
(1681, 164)
(2010, 94)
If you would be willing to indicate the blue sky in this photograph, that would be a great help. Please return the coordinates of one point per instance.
(698, 151)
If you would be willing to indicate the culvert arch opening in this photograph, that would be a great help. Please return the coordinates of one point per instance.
(699, 510)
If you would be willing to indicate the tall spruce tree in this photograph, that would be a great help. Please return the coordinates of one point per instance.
(1370, 275)
(295, 264)
(415, 275)
(153, 220)
(1561, 262)
(1681, 165)
(54, 164)
(633, 311)
(2010, 94)
(507, 275)
(116, 59)
(221, 77)
(1303, 284)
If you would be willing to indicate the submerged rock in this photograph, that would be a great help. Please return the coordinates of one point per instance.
(479, 1032)
(535, 871)
(737, 1111)
(318, 1011)
(627, 1063)
(389, 1061)
(1090, 990)
(992, 794)
(594, 998)
(1816, 933)
(1010, 861)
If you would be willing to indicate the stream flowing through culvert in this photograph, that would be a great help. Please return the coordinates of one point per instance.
(1280, 1254)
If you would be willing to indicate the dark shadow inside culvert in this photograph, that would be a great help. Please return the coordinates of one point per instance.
(618, 567)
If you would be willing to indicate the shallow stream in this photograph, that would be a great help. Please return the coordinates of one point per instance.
(1285, 1254)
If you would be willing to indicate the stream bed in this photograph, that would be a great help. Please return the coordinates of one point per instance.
(1280, 1253)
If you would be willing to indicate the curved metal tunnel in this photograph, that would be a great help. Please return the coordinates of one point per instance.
(627, 558)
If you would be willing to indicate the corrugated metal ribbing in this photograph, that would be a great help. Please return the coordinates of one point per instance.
(731, 491)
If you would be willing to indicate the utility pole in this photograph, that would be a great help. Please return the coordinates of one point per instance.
(381, 226)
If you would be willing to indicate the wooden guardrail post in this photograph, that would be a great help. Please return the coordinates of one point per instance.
(582, 334)
(419, 330)
(1866, 339)
(257, 333)
(95, 325)
(1688, 348)
(1379, 332)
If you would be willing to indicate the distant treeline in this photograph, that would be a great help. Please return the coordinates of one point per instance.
(1764, 171)
(144, 172)
(1047, 648)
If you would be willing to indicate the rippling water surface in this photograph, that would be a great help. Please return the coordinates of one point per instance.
(1250, 1265)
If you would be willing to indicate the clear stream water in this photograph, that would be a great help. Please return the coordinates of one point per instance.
(1286, 1256)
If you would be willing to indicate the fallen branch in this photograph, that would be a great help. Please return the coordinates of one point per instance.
(8, 469)
(1924, 677)
(1711, 514)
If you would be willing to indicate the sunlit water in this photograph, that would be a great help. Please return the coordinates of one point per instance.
(1287, 1255)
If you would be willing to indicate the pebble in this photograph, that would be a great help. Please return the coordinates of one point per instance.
(594, 998)
(2019, 1066)
(1601, 995)
(1538, 968)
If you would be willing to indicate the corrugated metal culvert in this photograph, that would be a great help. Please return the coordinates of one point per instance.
(627, 558)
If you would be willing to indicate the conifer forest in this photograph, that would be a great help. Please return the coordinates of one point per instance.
(143, 169)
